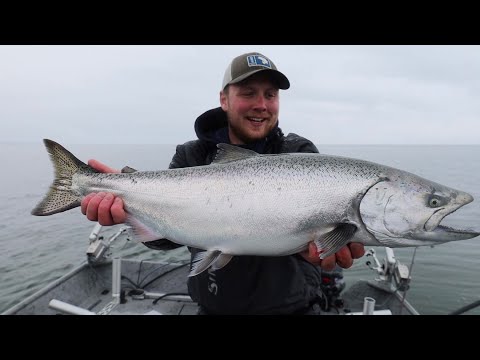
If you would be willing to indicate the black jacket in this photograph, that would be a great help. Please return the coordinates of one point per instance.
(248, 284)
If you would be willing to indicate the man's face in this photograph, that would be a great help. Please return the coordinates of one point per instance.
(252, 108)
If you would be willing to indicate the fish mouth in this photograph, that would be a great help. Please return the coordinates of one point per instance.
(445, 233)
(435, 219)
(437, 232)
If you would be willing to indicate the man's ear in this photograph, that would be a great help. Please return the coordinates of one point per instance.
(223, 101)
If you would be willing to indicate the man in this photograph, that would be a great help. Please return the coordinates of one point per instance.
(248, 117)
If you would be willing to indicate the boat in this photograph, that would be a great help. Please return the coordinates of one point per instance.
(106, 284)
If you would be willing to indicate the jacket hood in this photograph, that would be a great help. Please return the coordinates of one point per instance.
(210, 123)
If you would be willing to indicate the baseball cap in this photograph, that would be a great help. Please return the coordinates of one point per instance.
(248, 64)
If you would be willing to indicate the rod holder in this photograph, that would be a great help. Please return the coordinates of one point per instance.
(116, 278)
(368, 306)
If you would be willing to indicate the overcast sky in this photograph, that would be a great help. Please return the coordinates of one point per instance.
(153, 94)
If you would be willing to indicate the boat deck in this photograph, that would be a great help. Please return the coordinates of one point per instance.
(156, 288)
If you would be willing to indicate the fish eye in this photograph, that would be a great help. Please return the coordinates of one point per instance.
(435, 202)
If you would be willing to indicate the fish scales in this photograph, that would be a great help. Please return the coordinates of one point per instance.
(220, 204)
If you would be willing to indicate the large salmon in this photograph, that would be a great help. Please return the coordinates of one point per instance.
(266, 205)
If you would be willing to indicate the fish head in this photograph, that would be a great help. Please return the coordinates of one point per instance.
(406, 210)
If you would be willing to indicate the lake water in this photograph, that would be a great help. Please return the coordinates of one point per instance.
(36, 250)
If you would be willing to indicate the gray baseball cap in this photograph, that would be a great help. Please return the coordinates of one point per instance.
(248, 64)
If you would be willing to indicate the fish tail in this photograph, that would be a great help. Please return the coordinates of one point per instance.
(60, 196)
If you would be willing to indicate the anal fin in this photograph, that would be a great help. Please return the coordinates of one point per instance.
(141, 231)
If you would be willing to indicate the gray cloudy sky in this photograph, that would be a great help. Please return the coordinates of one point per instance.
(152, 94)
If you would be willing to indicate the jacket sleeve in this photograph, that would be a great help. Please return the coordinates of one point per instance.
(179, 158)
(296, 143)
(308, 147)
(192, 153)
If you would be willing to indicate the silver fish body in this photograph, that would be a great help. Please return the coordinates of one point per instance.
(267, 205)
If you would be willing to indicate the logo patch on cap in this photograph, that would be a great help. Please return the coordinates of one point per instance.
(258, 60)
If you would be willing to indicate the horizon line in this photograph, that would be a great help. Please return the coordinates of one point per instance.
(4, 142)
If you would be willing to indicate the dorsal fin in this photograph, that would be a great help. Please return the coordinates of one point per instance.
(227, 153)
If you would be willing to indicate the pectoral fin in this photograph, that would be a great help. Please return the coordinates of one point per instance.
(221, 261)
(332, 241)
(203, 260)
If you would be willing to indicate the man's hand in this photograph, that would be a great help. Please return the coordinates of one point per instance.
(343, 257)
(103, 207)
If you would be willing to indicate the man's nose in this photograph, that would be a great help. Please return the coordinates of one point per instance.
(260, 103)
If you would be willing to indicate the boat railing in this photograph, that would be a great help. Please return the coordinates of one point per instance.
(391, 271)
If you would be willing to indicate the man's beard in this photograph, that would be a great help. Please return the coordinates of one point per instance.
(244, 136)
